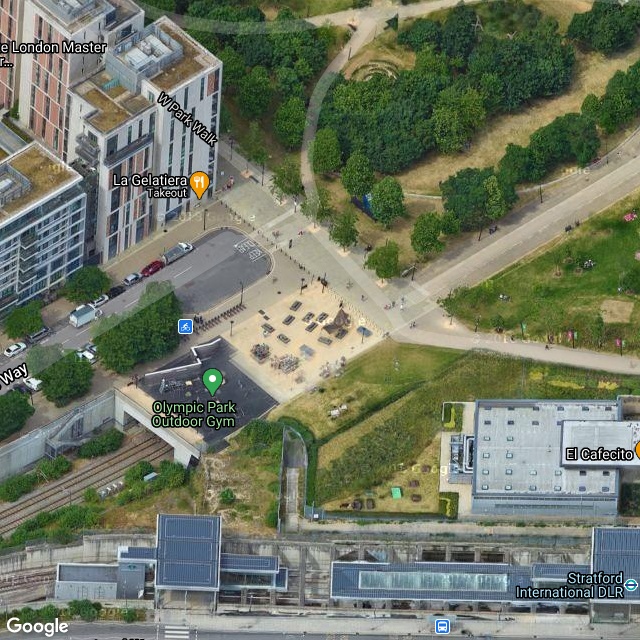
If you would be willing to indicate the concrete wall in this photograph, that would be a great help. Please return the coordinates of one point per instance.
(126, 409)
(18, 455)
(98, 548)
(86, 591)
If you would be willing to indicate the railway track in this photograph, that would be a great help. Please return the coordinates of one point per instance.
(23, 579)
(70, 488)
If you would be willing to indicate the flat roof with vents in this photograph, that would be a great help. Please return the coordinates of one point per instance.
(518, 448)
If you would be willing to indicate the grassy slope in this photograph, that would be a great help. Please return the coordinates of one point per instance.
(551, 294)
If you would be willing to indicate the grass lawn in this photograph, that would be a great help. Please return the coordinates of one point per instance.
(368, 380)
(307, 8)
(353, 462)
(551, 292)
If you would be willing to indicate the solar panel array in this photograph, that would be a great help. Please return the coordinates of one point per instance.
(188, 552)
(618, 549)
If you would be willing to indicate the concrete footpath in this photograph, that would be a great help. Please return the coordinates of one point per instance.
(291, 622)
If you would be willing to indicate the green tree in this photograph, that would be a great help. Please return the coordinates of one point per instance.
(255, 93)
(496, 205)
(591, 107)
(459, 32)
(387, 201)
(325, 153)
(343, 230)
(107, 442)
(425, 237)
(318, 206)
(227, 496)
(155, 317)
(41, 357)
(24, 320)
(87, 284)
(234, 68)
(15, 409)
(286, 178)
(254, 146)
(289, 122)
(66, 379)
(385, 260)
(457, 114)
(288, 83)
(357, 175)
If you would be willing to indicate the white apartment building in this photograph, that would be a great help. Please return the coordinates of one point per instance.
(119, 129)
(42, 222)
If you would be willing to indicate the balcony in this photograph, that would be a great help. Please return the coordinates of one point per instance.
(87, 149)
(129, 150)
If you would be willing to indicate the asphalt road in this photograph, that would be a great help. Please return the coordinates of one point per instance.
(119, 631)
(203, 278)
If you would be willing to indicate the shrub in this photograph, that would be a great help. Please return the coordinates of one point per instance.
(227, 496)
(107, 442)
(271, 519)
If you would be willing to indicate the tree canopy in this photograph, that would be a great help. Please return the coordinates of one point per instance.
(325, 153)
(66, 379)
(289, 122)
(384, 260)
(15, 409)
(286, 178)
(147, 333)
(387, 201)
(425, 237)
(357, 175)
(86, 284)
(343, 230)
(24, 320)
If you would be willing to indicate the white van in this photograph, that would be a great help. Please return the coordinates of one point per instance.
(33, 383)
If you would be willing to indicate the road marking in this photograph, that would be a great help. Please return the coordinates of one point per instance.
(179, 274)
(130, 303)
(65, 341)
(176, 633)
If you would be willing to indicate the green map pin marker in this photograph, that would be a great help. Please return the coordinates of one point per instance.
(212, 379)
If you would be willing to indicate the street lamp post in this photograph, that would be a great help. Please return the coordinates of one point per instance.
(231, 332)
(241, 291)
(477, 323)
(262, 178)
(231, 141)
(204, 219)
(301, 285)
(573, 338)
(324, 279)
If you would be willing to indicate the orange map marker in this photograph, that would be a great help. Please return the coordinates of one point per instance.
(638, 449)
(199, 182)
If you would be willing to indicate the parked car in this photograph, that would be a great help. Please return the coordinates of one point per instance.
(114, 292)
(41, 334)
(151, 268)
(132, 279)
(99, 301)
(90, 347)
(88, 356)
(15, 349)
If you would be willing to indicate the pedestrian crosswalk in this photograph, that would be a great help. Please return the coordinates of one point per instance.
(176, 633)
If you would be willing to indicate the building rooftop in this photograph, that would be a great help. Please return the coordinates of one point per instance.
(162, 53)
(115, 104)
(76, 14)
(617, 549)
(239, 563)
(87, 573)
(188, 555)
(595, 434)
(194, 58)
(27, 176)
(427, 581)
(518, 448)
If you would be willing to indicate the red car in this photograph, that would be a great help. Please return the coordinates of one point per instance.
(151, 268)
